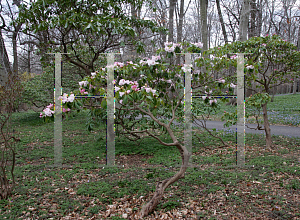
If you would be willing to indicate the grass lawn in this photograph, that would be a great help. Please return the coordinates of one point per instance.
(268, 187)
(285, 110)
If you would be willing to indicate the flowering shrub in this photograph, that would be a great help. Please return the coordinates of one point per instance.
(48, 112)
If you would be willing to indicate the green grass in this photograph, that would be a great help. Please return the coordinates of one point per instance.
(285, 110)
(86, 186)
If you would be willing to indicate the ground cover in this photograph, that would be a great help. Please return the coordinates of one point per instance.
(285, 110)
(268, 187)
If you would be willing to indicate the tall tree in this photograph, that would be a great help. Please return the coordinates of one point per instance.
(204, 31)
(171, 20)
(244, 20)
(85, 29)
(222, 21)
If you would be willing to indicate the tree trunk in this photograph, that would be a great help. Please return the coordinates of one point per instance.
(5, 68)
(171, 20)
(222, 21)
(267, 126)
(252, 23)
(244, 20)
(180, 23)
(203, 14)
(298, 47)
(161, 186)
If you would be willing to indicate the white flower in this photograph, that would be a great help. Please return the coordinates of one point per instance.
(203, 97)
(198, 44)
(151, 62)
(186, 68)
(250, 67)
(121, 101)
(170, 49)
(84, 83)
(148, 90)
(221, 80)
(71, 98)
(212, 101)
(142, 62)
(93, 74)
(117, 89)
(233, 57)
(121, 93)
(126, 82)
(103, 69)
(122, 82)
(128, 91)
(232, 85)
(169, 81)
(168, 43)
(64, 98)
(156, 58)
(153, 91)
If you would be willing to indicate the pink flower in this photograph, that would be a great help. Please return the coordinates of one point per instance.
(64, 110)
(50, 105)
(121, 101)
(86, 93)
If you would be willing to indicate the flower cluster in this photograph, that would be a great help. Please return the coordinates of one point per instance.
(250, 67)
(211, 101)
(47, 111)
(200, 45)
(187, 68)
(150, 62)
(65, 98)
(221, 80)
(170, 46)
(133, 86)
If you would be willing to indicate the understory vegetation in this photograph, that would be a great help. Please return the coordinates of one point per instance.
(267, 187)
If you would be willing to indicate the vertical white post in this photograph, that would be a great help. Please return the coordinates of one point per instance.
(240, 154)
(187, 107)
(57, 114)
(110, 138)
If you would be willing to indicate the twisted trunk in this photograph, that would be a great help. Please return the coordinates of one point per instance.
(267, 126)
(161, 186)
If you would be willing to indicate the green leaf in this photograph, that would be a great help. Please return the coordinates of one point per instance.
(104, 103)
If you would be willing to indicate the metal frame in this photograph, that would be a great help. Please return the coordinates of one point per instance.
(110, 139)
